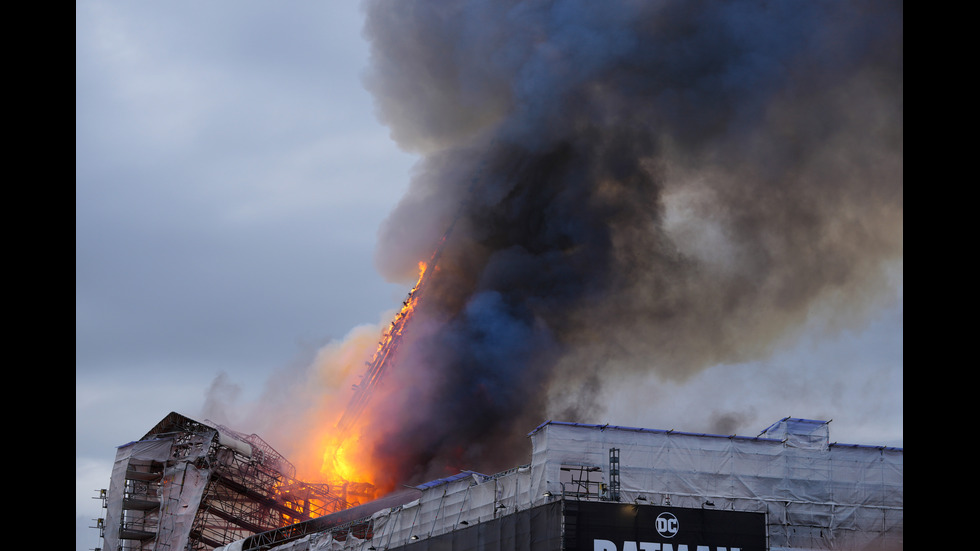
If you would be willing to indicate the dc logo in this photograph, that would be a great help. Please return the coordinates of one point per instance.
(667, 525)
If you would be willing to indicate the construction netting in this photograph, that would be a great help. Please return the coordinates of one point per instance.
(152, 497)
(534, 529)
(815, 495)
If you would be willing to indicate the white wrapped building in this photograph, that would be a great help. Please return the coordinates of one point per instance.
(609, 488)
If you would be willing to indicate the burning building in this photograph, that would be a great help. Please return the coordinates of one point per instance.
(633, 188)
(188, 485)
(193, 485)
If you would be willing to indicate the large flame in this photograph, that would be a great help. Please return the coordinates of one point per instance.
(342, 440)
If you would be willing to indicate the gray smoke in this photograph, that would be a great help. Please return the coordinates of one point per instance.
(640, 186)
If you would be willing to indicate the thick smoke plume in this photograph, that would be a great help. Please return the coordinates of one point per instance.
(640, 186)
(634, 188)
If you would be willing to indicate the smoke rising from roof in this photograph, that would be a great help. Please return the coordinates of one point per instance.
(641, 186)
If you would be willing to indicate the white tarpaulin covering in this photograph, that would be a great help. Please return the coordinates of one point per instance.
(816, 496)
(150, 493)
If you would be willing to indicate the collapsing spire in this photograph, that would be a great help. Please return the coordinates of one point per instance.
(382, 358)
(391, 338)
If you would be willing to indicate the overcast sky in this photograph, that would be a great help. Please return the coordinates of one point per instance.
(231, 179)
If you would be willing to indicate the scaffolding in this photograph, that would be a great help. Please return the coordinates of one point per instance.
(197, 486)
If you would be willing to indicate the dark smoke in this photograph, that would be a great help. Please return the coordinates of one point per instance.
(641, 186)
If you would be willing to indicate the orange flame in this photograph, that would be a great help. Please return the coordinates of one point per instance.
(343, 454)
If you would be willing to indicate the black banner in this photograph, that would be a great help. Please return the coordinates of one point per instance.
(535, 529)
(598, 526)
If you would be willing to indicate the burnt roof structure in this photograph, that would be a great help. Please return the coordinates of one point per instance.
(190, 485)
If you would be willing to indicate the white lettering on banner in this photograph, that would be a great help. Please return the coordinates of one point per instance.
(644, 546)
(606, 545)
